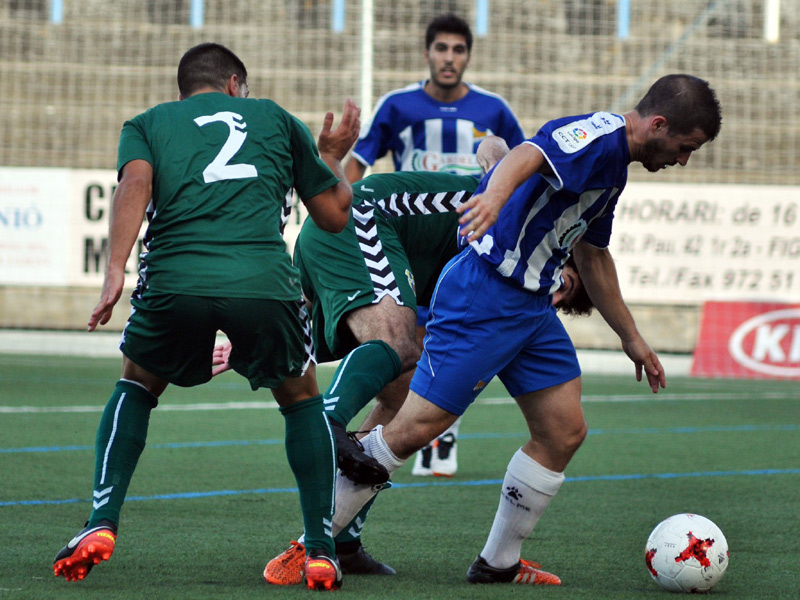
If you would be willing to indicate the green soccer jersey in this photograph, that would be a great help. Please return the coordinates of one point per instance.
(383, 187)
(222, 169)
(418, 205)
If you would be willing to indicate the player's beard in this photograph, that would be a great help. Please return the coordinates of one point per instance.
(654, 154)
(446, 85)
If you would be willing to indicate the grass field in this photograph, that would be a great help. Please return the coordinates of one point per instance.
(213, 498)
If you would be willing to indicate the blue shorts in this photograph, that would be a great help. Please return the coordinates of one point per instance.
(482, 325)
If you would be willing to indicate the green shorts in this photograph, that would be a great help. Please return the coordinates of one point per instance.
(173, 337)
(362, 264)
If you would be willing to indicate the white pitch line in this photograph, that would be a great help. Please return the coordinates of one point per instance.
(106, 343)
(503, 400)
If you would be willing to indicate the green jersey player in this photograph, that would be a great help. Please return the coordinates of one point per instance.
(213, 171)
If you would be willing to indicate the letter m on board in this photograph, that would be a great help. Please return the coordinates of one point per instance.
(94, 258)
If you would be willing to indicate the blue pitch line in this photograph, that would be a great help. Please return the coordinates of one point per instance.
(481, 482)
(465, 436)
(171, 445)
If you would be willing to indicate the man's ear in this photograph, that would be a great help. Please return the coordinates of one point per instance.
(658, 122)
(232, 85)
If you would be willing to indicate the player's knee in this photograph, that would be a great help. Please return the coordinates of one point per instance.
(563, 440)
(133, 372)
(573, 436)
(407, 351)
(296, 389)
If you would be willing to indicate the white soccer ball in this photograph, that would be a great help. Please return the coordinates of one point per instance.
(686, 553)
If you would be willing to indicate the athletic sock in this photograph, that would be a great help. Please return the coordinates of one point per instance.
(527, 490)
(375, 445)
(351, 533)
(120, 440)
(360, 376)
(311, 450)
(352, 497)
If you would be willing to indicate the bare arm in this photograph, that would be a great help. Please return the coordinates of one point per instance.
(330, 209)
(599, 276)
(481, 211)
(127, 213)
(354, 170)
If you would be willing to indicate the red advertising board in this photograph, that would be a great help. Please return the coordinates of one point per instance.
(753, 340)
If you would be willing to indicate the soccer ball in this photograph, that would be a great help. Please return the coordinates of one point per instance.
(686, 553)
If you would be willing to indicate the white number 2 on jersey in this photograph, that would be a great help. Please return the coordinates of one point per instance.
(219, 169)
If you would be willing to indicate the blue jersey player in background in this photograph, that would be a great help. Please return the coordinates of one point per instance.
(438, 123)
(435, 125)
(550, 197)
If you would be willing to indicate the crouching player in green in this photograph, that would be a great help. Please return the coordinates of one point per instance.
(363, 286)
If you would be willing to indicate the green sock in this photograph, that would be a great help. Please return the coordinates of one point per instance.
(311, 450)
(360, 376)
(352, 532)
(119, 444)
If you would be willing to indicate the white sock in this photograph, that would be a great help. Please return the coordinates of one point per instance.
(376, 447)
(350, 496)
(527, 490)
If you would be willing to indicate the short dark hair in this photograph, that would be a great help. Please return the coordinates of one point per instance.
(448, 23)
(687, 102)
(208, 64)
(580, 305)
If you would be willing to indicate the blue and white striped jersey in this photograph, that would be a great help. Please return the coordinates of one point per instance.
(424, 134)
(546, 216)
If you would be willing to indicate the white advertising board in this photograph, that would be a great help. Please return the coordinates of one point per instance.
(91, 192)
(672, 243)
(54, 227)
(34, 226)
(686, 243)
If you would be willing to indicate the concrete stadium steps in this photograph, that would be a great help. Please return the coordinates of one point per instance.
(71, 86)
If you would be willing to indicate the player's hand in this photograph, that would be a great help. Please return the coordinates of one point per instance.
(337, 142)
(480, 212)
(112, 290)
(219, 360)
(646, 360)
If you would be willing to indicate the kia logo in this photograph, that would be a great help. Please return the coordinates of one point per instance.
(769, 332)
